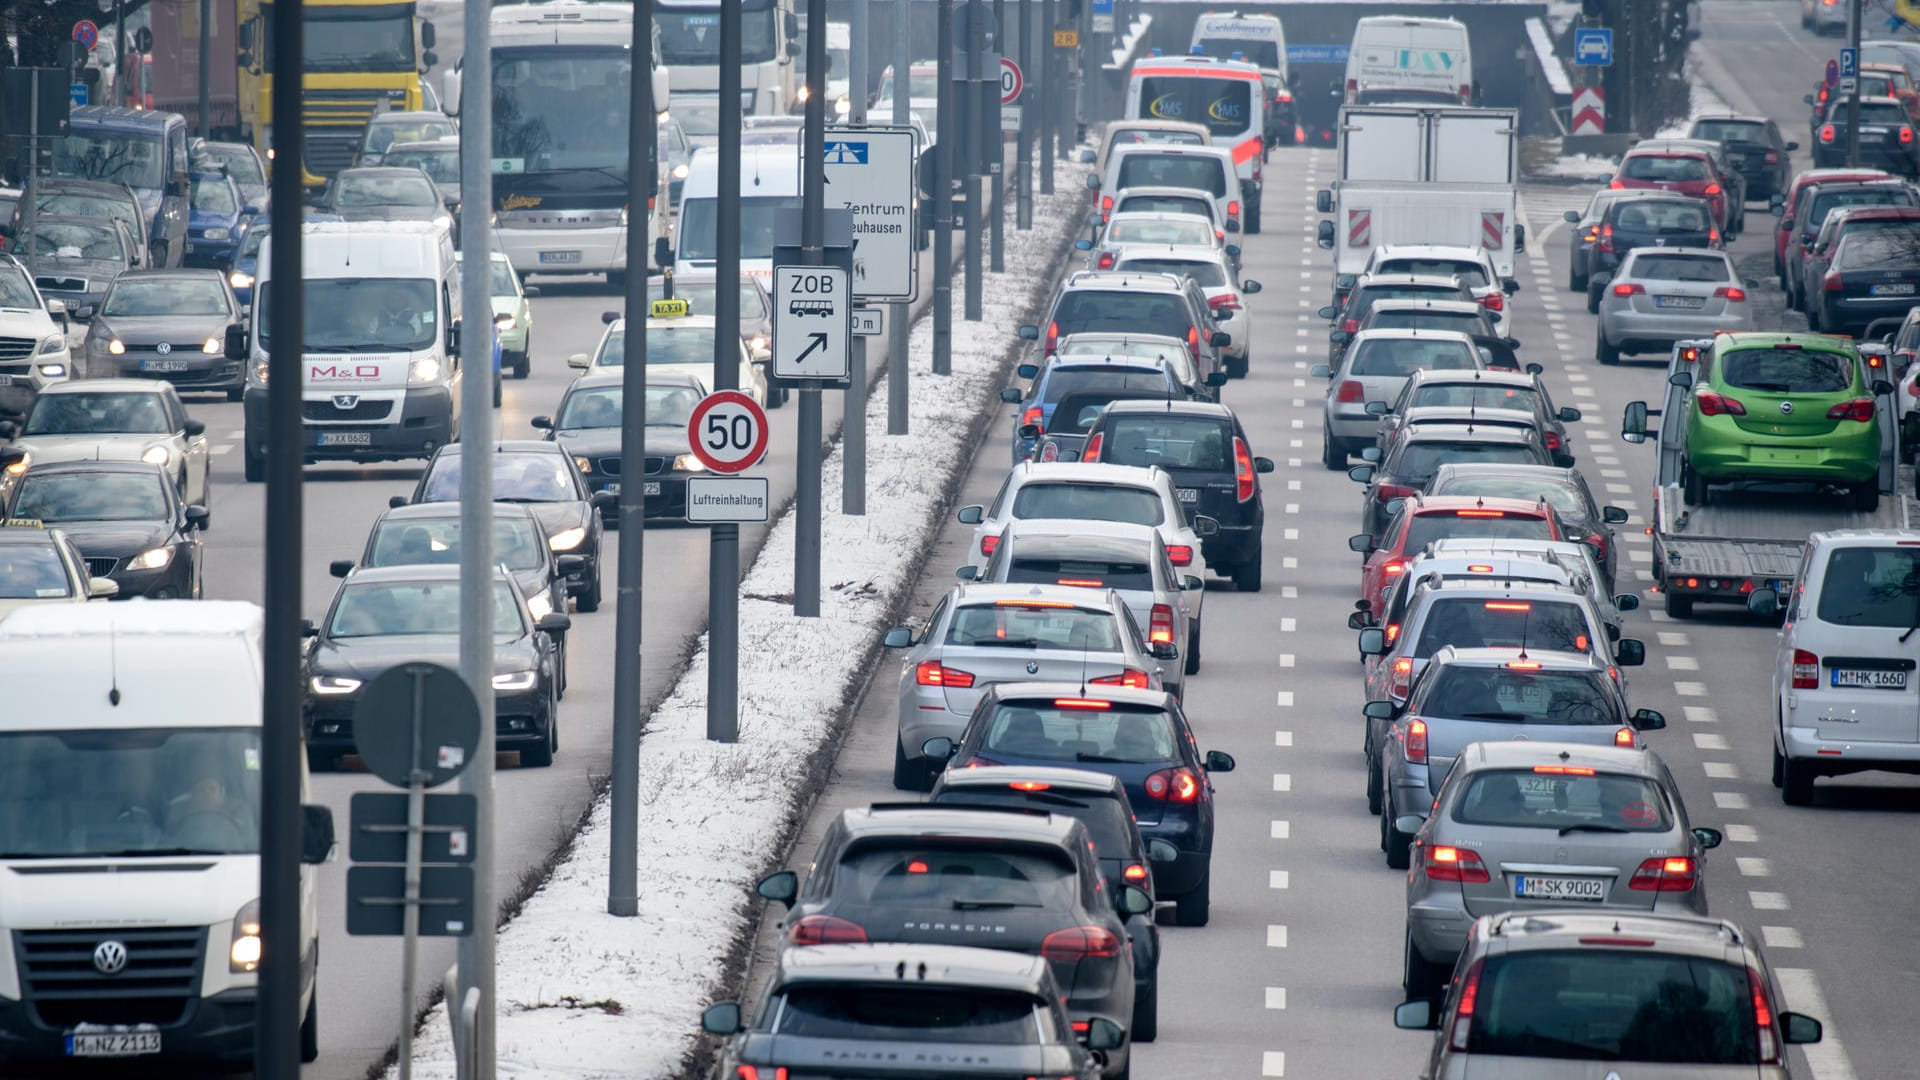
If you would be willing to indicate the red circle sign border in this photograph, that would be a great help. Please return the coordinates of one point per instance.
(707, 405)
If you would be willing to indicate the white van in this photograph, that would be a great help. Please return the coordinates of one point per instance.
(1259, 40)
(130, 785)
(1846, 694)
(769, 190)
(1395, 58)
(1225, 95)
(382, 357)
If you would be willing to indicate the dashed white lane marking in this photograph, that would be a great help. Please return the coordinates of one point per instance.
(1287, 625)
(1280, 830)
(238, 433)
(1637, 538)
(1277, 879)
(1673, 637)
(1293, 463)
(1741, 834)
(1282, 781)
(1292, 508)
(1289, 563)
(1284, 699)
(1273, 1063)
(1731, 800)
(1290, 534)
(1827, 1059)
(1283, 738)
(1781, 937)
(1750, 867)
(223, 448)
(1276, 997)
(1707, 740)
(1619, 489)
(1277, 936)
(1768, 901)
(1700, 714)
(1690, 689)
(1583, 391)
(1617, 474)
(1604, 459)
(1720, 770)
(1286, 660)
(1682, 663)
(1289, 592)
(1297, 424)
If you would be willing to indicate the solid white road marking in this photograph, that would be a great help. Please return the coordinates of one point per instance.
(1827, 1059)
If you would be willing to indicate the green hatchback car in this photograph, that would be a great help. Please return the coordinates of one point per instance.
(1784, 408)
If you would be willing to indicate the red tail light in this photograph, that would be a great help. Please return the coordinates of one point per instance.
(1242, 470)
(1173, 785)
(1134, 872)
(1233, 208)
(1554, 441)
(1463, 1009)
(1351, 392)
(1713, 236)
(1399, 682)
(1826, 133)
(1077, 943)
(1769, 1039)
(1629, 288)
(1606, 234)
(1224, 302)
(1806, 670)
(1092, 452)
(1832, 282)
(1906, 136)
(933, 673)
(1393, 568)
(1193, 341)
(1160, 624)
(1445, 863)
(1353, 86)
(1413, 737)
(1617, 184)
(1494, 301)
(1389, 492)
(1466, 94)
(1599, 542)
(1106, 209)
(1180, 554)
(1712, 404)
(1773, 157)
(1713, 189)
(1858, 409)
(1131, 677)
(826, 930)
(1393, 631)
(1731, 293)
(988, 543)
(1351, 326)
(1053, 337)
(760, 1072)
(1106, 261)
(1665, 874)
(1281, 97)
(1034, 415)
(1625, 738)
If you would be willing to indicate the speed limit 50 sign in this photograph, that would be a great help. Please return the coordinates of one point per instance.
(728, 431)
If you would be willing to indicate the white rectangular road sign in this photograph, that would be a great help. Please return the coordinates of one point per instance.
(812, 310)
(866, 322)
(726, 498)
(870, 172)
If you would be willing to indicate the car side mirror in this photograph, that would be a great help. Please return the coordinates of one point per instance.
(781, 886)
(967, 573)
(1010, 395)
(1571, 217)
(541, 423)
(236, 343)
(1881, 388)
(316, 834)
(1514, 343)
(1415, 1015)
(971, 515)
(1567, 414)
(1217, 761)
(1535, 369)
(194, 429)
(1647, 719)
(1359, 620)
(1631, 652)
(1324, 371)
(1378, 408)
(1191, 583)
(722, 1019)
(307, 629)
(1323, 202)
(899, 637)
(1029, 431)
(1083, 245)
(1370, 454)
(1361, 474)
(1324, 237)
(1708, 839)
(1029, 332)
(1262, 464)
(532, 292)
(1613, 515)
(1216, 378)
(556, 622)
(1373, 642)
(102, 588)
(570, 564)
(1361, 542)
(340, 567)
(1220, 339)
(602, 500)
(1626, 602)
(1205, 526)
(1084, 156)
(1339, 337)
(939, 748)
(1791, 146)
(1800, 1030)
(1378, 710)
(395, 502)
(1764, 602)
(1161, 851)
(1681, 379)
(579, 360)
(1027, 371)
(1163, 650)
(1249, 287)
(1328, 313)
(1133, 900)
(1509, 285)
(196, 516)
(1633, 422)
(1806, 99)
(1093, 182)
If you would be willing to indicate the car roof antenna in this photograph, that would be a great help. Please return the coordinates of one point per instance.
(1525, 621)
(113, 665)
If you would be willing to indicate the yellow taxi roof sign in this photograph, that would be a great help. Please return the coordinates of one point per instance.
(669, 308)
(22, 523)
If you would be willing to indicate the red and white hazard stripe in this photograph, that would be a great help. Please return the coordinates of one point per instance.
(1493, 230)
(1360, 228)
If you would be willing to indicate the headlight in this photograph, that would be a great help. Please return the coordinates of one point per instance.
(759, 341)
(843, 106)
(423, 371)
(116, 346)
(15, 468)
(805, 92)
(240, 280)
(216, 234)
(680, 172)
(213, 346)
(515, 680)
(585, 464)
(243, 954)
(541, 605)
(333, 684)
(54, 371)
(157, 455)
(54, 343)
(567, 539)
(151, 559)
(260, 372)
(504, 322)
(688, 463)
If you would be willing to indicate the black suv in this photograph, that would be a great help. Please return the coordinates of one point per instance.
(1655, 218)
(1133, 302)
(1204, 448)
(1755, 147)
(1020, 881)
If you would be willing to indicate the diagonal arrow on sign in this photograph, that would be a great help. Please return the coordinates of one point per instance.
(818, 341)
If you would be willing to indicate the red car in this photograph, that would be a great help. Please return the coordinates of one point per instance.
(1426, 518)
(1784, 230)
(1689, 172)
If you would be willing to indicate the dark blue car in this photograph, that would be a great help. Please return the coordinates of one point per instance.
(1083, 384)
(215, 220)
(1139, 737)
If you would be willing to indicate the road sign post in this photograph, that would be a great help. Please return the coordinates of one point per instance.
(1103, 22)
(853, 402)
(995, 140)
(898, 377)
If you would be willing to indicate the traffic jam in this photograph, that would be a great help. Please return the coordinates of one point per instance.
(1173, 759)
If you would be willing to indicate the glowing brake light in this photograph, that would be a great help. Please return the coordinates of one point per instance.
(1446, 863)
(1906, 136)
(1826, 133)
(1713, 189)
(1133, 678)
(1562, 770)
(934, 673)
(826, 930)
(1668, 874)
(1053, 338)
(1180, 554)
(1233, 208)
(1034, 415)
(1029, 785)
(1242, 470)
(1507, 605)
(1173, 785)
(1479, 568)
(1413, 742)
(1402, 682)
(1729, 292)
(1134, 872)
(1629, 288)
(1463, 1009)
(1524, 665)
(760, 1072)
(1160, 625)
(1085, 704)
(1092, 452)
(1083, 583)
(1106, 261)
(988, 543)
(1625, 738)
(1606, 234)
(1769, 1040)
(1858, 409)
(1480, 513)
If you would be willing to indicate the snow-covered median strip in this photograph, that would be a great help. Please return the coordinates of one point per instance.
(584, 994)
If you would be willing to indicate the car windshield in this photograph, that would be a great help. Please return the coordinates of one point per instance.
(360, 314)
(1011, 625)
(144, 296)
(98, 412)
(256, 236)
(1459, 322)
(1563, 495)
(1453, 524)
(759, 223)
(1650, 267)
(1207, 275)
(1894, 248)
(1563, 797)
(32, 572)
(1420, 459)
(1083, 310)
(214, 195)
(1145, 168)
(1471, 274)
(517, 542)
(892, 873)
(1159, 231)
(1871, 586)
(1401, 357)
(1166, 204)
(1662, 169)
(72, 240)
(16, 291)
(239, 161)
(385, 608)
(916, 1014)
(127, 792)
(1260, 52)
(702, 298)
(91, 496)
(682, 344)
(1614, 1005)
(442, 165)
(1224, 106)
(380, 136)
(136, 160)
(1091, 731)
(1784, 371)
(1475, 623)
(71, 204)
(922, 82)
(1172, 441)
(1107, 819)
(1090, 572)
(1089, 502)
(525, 476)
(1729, 131)
(387, 189)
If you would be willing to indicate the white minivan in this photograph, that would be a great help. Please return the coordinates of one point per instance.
(1846, 699)
(1400, 59)
(769, 190)
(130, 799)
(1259, 40)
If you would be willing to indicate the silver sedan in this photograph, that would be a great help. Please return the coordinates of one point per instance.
(1663, 295)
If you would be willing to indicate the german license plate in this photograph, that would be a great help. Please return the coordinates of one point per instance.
(650, 487)
(1586, 890)
(1683, 302)
(109, 1044)
(1191, 495)
(1894, 288)
(346, 438)
(551, 258)
(163, 365)
(1867, 679)
(7, 380)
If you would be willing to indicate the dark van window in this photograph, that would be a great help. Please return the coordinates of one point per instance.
(1086, 311)
(1225, 106)
(1202, 172)
(1871, 587)
(1176, 442)
(1614, 1005)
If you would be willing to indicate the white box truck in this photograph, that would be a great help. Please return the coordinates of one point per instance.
(1413, 174)
(130, 782)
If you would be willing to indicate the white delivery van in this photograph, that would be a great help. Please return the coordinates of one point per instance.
(769, 190)
(1225, 95)
(130, 784)
(1259, 40)
(1395, 58)
(381, 363)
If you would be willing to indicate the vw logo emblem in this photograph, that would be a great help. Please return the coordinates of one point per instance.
(1786, 408)
(345, 401)
(163, 348)
(1613, 1076)
(1033, 668)
(109, 957)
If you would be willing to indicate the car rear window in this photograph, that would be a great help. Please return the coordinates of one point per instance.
(1826, 201)
(1012, 626)
(1786, 371)
(903, 872)
(1202, 172)
(1170, 441)
(1420, 459)
(1113, 734)
(1364, 298)
(1562, 495)
(1506, 695)
(1106, 818)
(1130, 311)
(1114, 378)
(1871, 112)
(1478, 525)
(1664, 169)
(1089, 502)
(1084, 573)
(1165, 204)
(1460, 322)
(1473, 395)
(1662, 216)
(1187, 230)
(1600, 1004)
(1478, 623)
(1139, 136)
(1205, 274)
(1472, 274)
(1730, 131)
(1401, 357)
(907, 1013)
(1874, 586)
(1879, 249)
(1678, 268)
(1563, 797)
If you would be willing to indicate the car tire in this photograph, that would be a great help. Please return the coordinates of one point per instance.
(236, 395)
(1376, 794)
(1253, 218)
(310, 1030)
(1146, 1014)
(617, 280)
(909, 775)
(523, 360)
(1193, 650)
(1866, 497)
(1195, 907)
(256, 465)
(1397, 845)
(497, 379)
(590, 600)
(1605, 351)
(1693, 487)
(1678, 607)
(1419, 976)
(542, 756)
(1796, 782)
(1333, 454)
(1779, 768)
(322, 760)
(1576, 280)
(1237, 369)
(1593, 297)
(1246, 576)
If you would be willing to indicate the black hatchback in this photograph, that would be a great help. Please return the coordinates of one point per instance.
(1204, 448)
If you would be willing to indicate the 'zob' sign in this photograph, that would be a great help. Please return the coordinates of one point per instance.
(812, 309)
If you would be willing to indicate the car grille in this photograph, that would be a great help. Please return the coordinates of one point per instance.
(17, 348)
(101, 567)
(361, 410)
(62, 284)
(60, 981)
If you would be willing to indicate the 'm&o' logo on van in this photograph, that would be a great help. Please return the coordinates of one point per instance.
(352, 373)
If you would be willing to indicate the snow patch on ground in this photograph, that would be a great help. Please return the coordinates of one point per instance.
(1577, 167)
(583, 994)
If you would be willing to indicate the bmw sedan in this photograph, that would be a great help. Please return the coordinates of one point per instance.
(126, 519)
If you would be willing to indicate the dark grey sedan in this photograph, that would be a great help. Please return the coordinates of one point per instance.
(167, 324)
